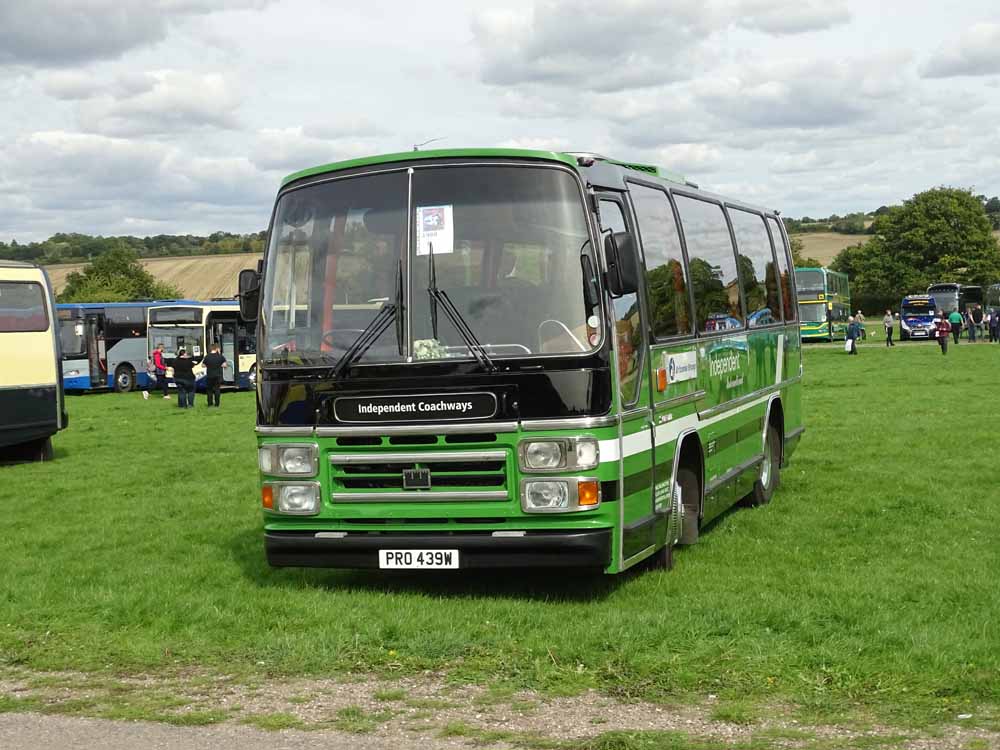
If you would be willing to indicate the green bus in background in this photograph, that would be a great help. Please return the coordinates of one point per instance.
(824, 303)
(505, 358)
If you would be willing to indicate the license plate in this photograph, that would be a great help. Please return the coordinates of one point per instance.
(418, 559)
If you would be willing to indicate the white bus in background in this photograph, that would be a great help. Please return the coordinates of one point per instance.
(195, 327)
(32, 408)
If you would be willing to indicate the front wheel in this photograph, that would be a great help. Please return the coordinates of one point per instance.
(770, 467)
(124, 379)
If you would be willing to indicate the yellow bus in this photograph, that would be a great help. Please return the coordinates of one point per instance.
(32, 408)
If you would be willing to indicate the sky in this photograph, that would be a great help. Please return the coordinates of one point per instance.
(181, 116)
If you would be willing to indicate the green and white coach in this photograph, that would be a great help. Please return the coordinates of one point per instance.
(504, 358)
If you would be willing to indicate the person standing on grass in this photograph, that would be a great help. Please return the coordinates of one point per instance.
(160, 365)
(977, 320)
(994, 325)
(860, 318)
(955, 320)
(214, 363)
(943, 329)
(853, 332)
(184, 379)
(887, 323)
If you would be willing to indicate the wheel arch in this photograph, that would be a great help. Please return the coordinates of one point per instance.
(689, 452)
(775, 414)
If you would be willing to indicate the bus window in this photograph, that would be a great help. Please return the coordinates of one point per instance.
(712, 265)
(22, 307)
(666, 284)
(757, 269)
(784, 267)
(627, 322)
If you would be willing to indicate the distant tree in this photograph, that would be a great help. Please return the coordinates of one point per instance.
(850, 224)
(881, 210)
(115, 275)
(993, 205)
(938, 235)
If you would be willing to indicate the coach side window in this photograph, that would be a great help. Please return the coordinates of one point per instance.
(757, 269)
(712, 265)
(628, 327)
(784, 269)
(666, 283)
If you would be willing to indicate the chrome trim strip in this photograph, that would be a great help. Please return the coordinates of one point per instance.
(576, 423)
(422, 429)
(737, 402)
(684, 398)
(284, 431)
(636, 557)
(792, 434)
(347, 459)
(416, 496)
(626, 415)
(733, 473)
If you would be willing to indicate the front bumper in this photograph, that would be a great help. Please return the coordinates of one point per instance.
(553, 549)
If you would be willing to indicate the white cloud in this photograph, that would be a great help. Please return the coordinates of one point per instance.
(795, 17)
(67, 32)
(974, 53)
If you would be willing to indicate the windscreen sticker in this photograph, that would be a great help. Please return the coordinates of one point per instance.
(435, 230)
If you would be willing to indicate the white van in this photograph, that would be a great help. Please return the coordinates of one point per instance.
(32, 409)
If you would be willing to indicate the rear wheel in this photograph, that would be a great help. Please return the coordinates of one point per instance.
(124, 379)
(767, 481)
(687, 483)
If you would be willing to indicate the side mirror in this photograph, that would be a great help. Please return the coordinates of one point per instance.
(623, 264)
(249, 286)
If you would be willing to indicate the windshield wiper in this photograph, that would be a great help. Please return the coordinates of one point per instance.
(438, 296)
(390, 312)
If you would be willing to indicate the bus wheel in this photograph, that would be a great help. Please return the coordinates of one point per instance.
(252, 377)
(124, 379)
(687, 482)
(767, 482)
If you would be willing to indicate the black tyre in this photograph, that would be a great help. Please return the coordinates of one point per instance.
(124, 379)
(664, 558)
(770, 470)
(252, 377)
(687, 481)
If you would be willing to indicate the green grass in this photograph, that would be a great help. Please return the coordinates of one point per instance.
(868, 588)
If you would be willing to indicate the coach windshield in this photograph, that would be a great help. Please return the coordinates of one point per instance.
(489, 261)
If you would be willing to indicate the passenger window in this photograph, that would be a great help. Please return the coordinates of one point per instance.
(628, 328)
(712, 265)
(784, 269)
(757, 269)
(22, 307)
(666, 282)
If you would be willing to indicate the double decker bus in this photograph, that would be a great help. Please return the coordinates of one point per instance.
(824, 303)
(32, 408)
(103, 345)
(502, 358)
(916, 317)
(196, 326)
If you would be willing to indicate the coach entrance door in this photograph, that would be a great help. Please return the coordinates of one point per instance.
(222, 331)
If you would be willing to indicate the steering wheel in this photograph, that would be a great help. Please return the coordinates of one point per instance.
(341, 338)
(563, 329)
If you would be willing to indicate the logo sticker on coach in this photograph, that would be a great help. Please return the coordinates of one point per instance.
(726, 359)
(680, 366)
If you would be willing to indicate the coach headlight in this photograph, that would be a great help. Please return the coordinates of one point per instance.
(287, 460)
(560, 495)
(558, 454)
(293, 499)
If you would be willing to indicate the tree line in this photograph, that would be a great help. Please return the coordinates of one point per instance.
(943, 234)
(79, 248)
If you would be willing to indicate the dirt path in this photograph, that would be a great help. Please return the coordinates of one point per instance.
(73, 710)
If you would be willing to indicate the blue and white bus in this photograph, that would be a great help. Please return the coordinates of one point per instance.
(103, 345)
(916, 317)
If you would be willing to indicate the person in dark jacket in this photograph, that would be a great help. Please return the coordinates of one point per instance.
(184, 379)
(214, 363)
(853, 334)
(943, 330)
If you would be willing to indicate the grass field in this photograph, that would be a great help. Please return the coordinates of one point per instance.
(868, 586)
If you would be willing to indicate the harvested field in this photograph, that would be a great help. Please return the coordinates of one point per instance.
(198, 276)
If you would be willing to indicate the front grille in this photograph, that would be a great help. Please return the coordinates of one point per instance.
(455, 476)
